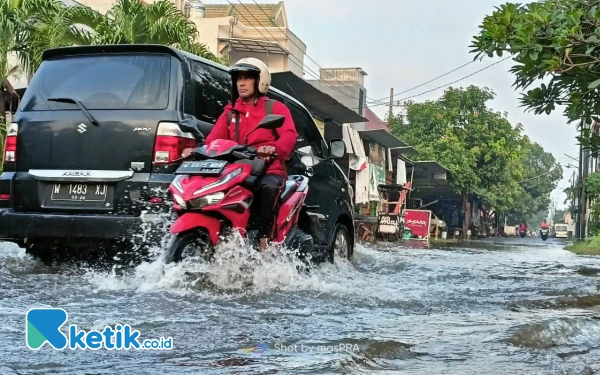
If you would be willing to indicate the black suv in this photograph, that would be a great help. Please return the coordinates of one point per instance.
(95, 141)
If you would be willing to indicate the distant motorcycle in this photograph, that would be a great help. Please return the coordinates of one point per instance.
(544, 233)
(523, 233)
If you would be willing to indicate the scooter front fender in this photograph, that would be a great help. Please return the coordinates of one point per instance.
(191, 220)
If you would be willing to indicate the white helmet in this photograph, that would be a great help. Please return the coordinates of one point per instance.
(253, 65)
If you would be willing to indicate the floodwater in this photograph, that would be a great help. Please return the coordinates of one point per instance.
(501, 306)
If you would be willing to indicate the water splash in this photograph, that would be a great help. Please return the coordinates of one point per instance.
(236, 266)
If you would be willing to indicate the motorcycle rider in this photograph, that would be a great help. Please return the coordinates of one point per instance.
(544, 225)
(250, 80)
(523, 227)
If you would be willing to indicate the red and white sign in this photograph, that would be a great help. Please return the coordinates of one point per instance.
(418, 221)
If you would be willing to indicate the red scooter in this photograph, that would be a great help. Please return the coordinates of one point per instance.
(213, 193)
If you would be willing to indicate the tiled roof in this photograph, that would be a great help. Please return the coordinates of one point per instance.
(262, 15)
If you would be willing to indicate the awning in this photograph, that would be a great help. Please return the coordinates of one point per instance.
(314, 99)
(382, 137)
(256, 46)
(429, 171)
(408, 150)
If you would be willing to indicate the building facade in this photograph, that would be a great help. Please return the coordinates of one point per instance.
(347, 86)
(256, 30)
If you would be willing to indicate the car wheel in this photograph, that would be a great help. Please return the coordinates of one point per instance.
(340, 244)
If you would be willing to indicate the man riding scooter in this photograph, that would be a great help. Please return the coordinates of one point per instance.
(250, 82)
(523, 229)
(544, 230)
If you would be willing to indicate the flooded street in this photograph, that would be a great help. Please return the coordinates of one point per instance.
(501, 306)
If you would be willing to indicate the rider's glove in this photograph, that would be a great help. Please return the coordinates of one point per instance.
(266, 152)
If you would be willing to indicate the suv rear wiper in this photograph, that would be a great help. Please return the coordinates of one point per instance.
(79, 104)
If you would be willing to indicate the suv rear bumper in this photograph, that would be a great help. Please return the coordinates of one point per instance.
(17, 226)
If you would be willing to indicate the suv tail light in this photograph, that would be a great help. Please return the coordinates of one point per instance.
(10, 144)
(170, 142)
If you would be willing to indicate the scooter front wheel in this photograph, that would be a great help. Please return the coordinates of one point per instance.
(194, 243)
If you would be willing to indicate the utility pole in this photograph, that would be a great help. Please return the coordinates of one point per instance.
(581, 196)
(578, 216)
(391, 104)
(584, 198)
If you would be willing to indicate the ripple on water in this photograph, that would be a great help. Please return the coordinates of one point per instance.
(582, 331)
(414, 311)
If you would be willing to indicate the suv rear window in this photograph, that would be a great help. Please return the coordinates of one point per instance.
(101, 82)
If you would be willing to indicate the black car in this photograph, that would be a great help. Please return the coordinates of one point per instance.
(94, 144)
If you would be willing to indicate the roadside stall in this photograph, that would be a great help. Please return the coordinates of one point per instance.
(382, 185)
(389, 219)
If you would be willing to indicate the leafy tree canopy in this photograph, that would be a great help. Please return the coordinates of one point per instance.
(28, 27)
(556, 41)
(485, 154)
(475, 143)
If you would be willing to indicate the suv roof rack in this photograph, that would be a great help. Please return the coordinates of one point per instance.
(111, 48)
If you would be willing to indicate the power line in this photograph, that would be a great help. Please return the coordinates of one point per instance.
(431, 80)
(305, 54)
(447, 84)
(373, 101)
(314, 75)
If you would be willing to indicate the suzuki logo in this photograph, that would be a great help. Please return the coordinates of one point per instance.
(81, 128)
(78, 173)
(142, 129)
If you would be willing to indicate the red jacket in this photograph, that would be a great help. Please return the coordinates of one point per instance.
(250, 117)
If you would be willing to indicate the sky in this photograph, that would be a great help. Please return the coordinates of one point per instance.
(402, 44)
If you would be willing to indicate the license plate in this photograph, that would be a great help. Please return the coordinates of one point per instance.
(204, 167)
(79, 192)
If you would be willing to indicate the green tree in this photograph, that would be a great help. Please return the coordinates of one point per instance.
(557, 41)
(541, 176)
(559, 216)
(27, 27)
(476, 144)
(526, 192)
(133, 22)
(592, 190)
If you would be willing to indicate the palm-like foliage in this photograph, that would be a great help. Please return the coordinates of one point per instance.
(28, 27)
(132, 22)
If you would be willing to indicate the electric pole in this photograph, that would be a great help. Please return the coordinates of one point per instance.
(391, 104)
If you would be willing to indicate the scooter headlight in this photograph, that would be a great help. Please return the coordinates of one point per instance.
(177, 182)
(223, 180)
(207, 200)
(179, 200)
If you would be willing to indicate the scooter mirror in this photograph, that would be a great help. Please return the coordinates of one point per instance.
(190, 125)
(308, 161)
(187, 125)
(271, 122)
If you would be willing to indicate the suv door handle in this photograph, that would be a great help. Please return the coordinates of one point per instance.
(309, 171)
